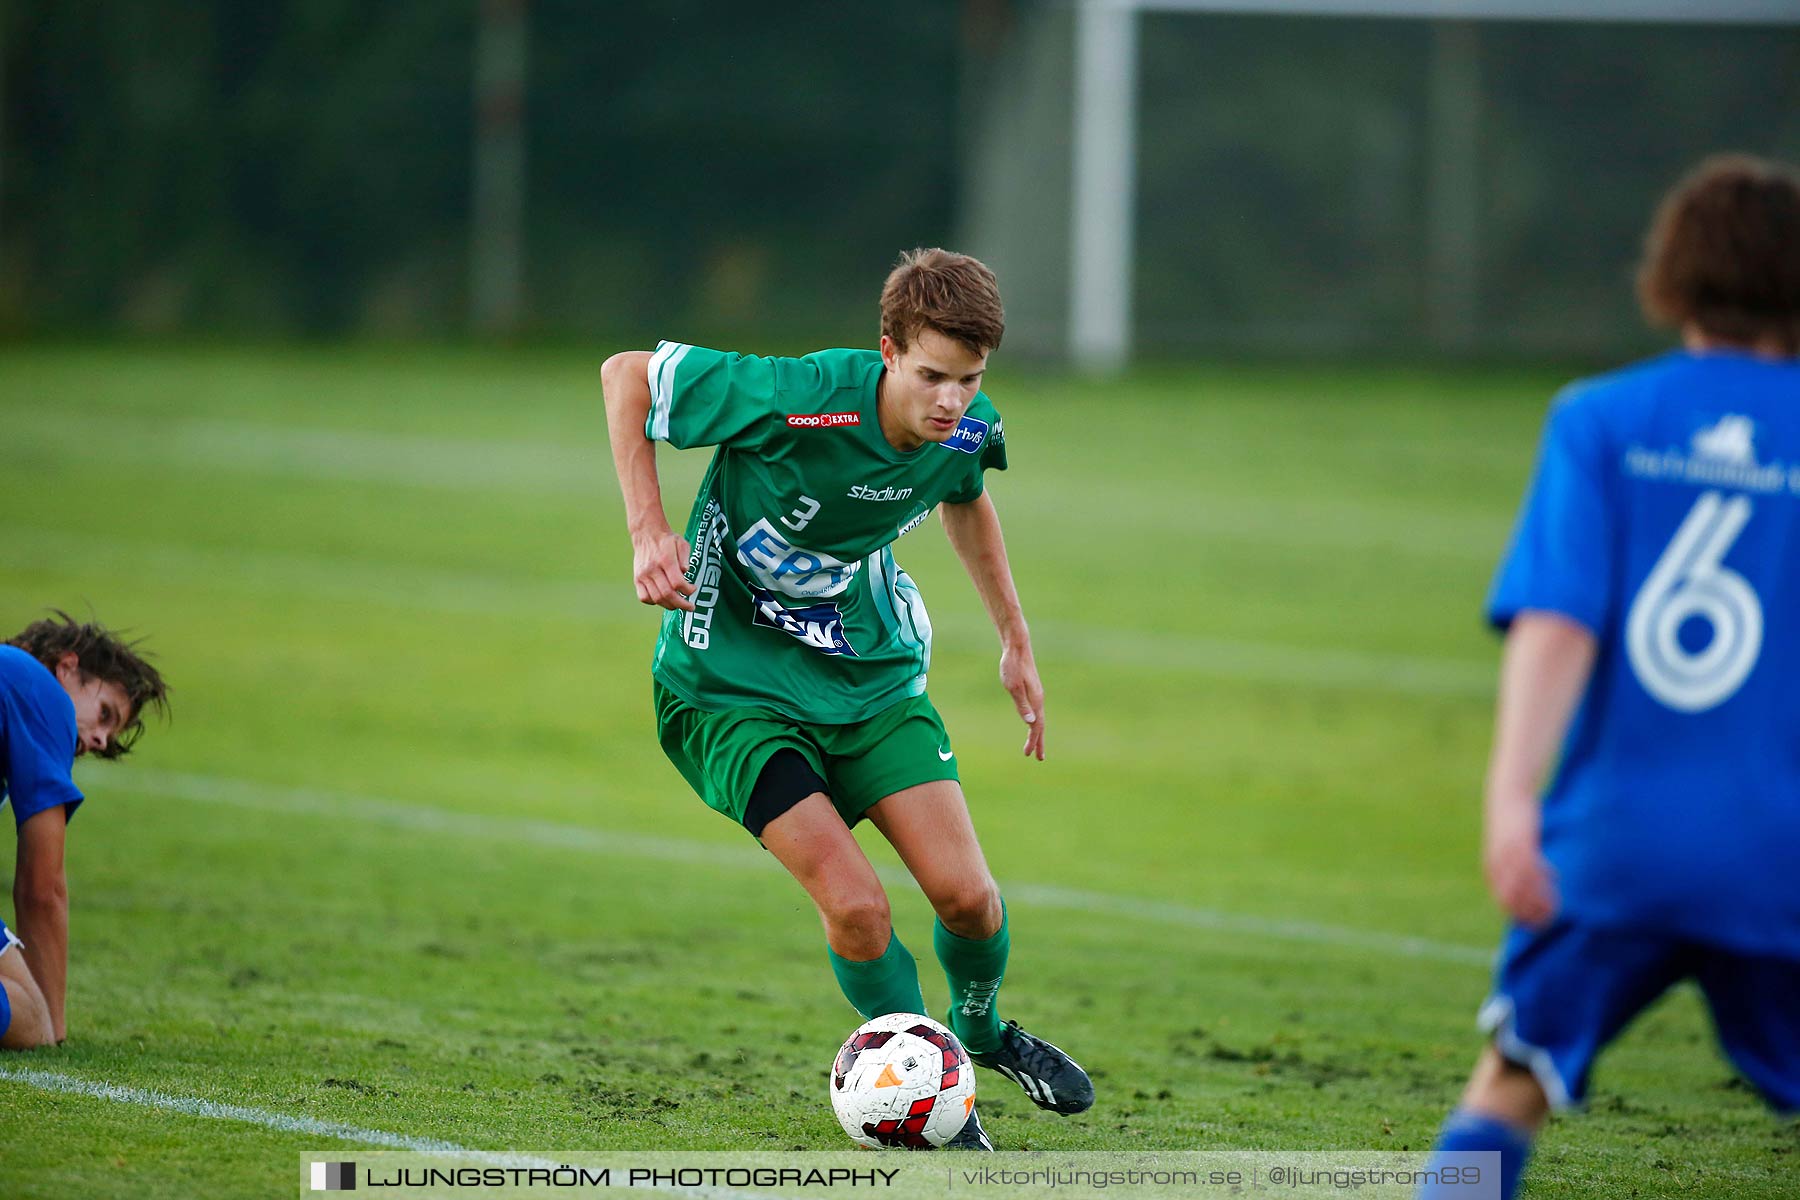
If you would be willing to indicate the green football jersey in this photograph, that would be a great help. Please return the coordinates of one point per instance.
(798, 604)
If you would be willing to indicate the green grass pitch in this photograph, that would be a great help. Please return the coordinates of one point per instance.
(408, 858)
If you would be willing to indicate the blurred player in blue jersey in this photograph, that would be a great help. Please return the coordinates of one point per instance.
(1651, 603)
(66, 689)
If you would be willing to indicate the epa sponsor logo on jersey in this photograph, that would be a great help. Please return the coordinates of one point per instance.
(822, 420)
(818, 626)
(778, 565)
(968, 435)
(1722, 454)
(863, 491)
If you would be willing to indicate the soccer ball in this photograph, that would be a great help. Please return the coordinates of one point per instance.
(902, 1080)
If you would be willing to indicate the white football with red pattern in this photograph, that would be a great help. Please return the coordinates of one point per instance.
(902, 1081)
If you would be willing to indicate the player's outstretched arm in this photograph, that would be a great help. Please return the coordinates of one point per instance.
(974, 531)
(41, 900)
(1543, 674)
(659, 555)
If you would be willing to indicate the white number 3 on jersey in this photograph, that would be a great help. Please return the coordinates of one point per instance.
(801, 517)
(1687, 584)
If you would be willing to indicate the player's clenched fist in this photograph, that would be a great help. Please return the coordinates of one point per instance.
(659, 568)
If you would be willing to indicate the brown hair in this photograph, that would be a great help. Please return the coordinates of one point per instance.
(942, 290)
(100, 654)
(1723, 253)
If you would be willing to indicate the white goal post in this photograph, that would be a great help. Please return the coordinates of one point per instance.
(1104, 161)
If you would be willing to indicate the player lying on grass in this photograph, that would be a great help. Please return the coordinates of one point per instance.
(789, 678)
(1651, 600)
(66, 689)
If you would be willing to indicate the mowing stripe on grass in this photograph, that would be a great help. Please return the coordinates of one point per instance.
(468, 593)
(421, 818)
(326, 577)
(344, 455)
(568, 468)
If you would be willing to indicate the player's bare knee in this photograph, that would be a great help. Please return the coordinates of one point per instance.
(29, 1027)
(858, 927)
(970, 908)
(863, 913)
(1505, 1089)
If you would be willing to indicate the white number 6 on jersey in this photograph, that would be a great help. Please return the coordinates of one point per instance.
(1688, 583)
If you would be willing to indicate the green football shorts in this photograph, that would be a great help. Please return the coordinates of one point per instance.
(721, 754)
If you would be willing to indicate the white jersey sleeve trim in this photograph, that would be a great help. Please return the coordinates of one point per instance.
(663, 363)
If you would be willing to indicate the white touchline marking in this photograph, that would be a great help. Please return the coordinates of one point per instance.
(1255, 662)
(421, 818)
(1168, 913)
(596, 602)
(194, 1106)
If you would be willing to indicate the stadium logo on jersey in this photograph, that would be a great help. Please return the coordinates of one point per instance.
(1731, 440)
(820, 626)
(1723, 454)
(779, 566)
(863, 491)
(968, 436)
(704, 566)
(822, 420)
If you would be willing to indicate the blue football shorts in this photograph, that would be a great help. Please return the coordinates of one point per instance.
(8, 939)
(1561, 994)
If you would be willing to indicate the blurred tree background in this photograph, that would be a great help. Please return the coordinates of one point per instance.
(709, 169)
(303, 166)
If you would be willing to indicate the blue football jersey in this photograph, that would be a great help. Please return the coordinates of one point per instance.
(1664, 516)
(37, 737)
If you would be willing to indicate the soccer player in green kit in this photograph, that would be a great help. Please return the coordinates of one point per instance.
(789, 677)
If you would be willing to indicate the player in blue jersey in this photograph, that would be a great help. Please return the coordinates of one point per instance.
(1651, 603)
(66, 689)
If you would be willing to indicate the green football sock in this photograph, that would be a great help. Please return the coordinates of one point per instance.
(974, 968)
(889, 984)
